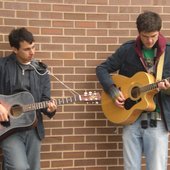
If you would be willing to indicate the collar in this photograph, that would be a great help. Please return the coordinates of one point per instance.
(159, 46)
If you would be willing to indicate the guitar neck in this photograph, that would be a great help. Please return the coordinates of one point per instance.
(44, 104)
(152, 86)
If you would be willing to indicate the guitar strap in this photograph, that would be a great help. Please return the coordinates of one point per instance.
(154, 115)
(160, 67)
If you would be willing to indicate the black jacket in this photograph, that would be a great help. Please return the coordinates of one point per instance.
(127, 61)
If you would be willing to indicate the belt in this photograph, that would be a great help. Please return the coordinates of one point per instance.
(151, 117)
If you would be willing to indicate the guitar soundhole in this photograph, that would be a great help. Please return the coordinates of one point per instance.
(135, 92)
(16, 110)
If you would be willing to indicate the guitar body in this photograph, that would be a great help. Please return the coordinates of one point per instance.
(136, 101)
(17, 121)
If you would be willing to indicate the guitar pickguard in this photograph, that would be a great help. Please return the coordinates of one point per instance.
(129, 103)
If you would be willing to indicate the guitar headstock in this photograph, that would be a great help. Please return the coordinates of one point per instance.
(91, 97)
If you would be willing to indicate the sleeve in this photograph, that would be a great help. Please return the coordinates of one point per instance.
(112, 65)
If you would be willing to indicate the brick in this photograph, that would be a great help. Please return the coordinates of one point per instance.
(73, 16)
(51, 15)
(73, 139)
(84, 40)
(96, 17)
(39, 7)
(96, 48)
(106, 161)
(66, 131)
(62, 163)
(74, 63)
(96, 168)
(65, 8)
(63, 24)
(62, 147)
(74, 48)
(108, 9)
(73, 155)
(7, 13)
(27, 14)
(52, 1)
(74, 123)
(84, 55)
(85, 8)
(42, 23)
(73, 168)
(51, 155)
(96, 154)
(16, 5)
(51, 31)
(120, 2)
(62, 55)
(74, 32)
(19, 22)
(96, 139)
(73, 37)
(84, 162)
(108, 25)
(96, 2)
(84, 131)
(75, 1)
(45, 164)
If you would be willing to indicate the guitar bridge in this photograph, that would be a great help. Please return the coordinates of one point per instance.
(5, 124)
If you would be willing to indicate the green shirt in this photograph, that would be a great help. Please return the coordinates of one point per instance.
(149, 58)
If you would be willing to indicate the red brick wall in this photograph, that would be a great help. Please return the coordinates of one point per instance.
(73, 36)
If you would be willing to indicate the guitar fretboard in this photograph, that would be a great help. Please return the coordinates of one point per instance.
(44, 104)
(152, 86)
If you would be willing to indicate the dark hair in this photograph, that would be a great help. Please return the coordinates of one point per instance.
(19, 35)
(148, 22)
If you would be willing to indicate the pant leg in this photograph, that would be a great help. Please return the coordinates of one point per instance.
(33, 148)
(132, 146)
(21, 151)
(156, 147)
(14, 153)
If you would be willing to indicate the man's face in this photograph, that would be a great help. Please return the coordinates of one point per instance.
(26, 52)
(149, 38)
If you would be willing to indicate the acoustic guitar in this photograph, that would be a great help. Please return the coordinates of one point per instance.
(139, 91)
(21, 109)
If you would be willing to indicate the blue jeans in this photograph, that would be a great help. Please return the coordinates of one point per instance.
(21, 151)
(151, 142)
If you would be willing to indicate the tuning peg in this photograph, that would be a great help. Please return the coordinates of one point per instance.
(90, 93)
(85, 93)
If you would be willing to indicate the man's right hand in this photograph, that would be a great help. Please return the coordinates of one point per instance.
(120, 100)
(117, 96)
(3, 114)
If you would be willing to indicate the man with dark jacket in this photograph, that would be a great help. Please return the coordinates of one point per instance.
(148, 134)
(23, 81)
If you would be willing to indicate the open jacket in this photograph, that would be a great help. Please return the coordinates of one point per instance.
(39, 85)
(128, 60)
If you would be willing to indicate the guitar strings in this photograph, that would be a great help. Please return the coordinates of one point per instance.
(48, 72)
(67, 87)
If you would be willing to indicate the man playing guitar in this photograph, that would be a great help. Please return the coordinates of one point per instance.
(148, 134)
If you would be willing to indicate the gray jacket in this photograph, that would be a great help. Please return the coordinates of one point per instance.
(39, 85)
